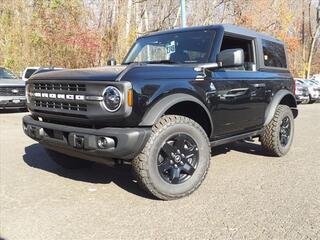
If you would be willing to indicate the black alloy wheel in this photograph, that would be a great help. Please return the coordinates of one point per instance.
(178, 159)
(285, 129)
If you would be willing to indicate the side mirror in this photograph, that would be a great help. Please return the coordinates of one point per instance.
(111, 62)
(231, 58)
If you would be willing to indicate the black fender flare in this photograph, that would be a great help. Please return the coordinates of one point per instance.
(158, 110)
(276, 99)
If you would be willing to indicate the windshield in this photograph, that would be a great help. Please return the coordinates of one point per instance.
(4, 73)
(173, 48)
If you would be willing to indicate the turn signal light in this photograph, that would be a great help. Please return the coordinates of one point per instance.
(130, 97)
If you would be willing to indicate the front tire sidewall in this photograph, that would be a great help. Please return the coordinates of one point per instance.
(177, 189)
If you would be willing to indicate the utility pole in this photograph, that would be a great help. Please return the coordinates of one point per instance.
(318, 13)
(183, 13)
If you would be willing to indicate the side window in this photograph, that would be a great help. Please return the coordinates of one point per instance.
(248, 49)
(274, 54)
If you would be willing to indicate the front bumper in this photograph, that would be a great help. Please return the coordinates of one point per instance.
(315, 95)
(82, 142)
(10, 102)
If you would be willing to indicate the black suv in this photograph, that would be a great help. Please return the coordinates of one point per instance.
(176, 95)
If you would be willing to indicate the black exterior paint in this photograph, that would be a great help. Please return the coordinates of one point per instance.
(236, 101)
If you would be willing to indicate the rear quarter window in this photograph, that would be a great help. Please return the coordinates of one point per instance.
(274, 54)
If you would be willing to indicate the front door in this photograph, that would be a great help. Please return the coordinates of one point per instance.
(238, 102)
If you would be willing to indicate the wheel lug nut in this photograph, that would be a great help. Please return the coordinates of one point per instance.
(171, 162)
(178, 151)
(176, 166)
(172, 154)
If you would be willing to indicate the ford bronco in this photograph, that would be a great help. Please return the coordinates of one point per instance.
(176, 95)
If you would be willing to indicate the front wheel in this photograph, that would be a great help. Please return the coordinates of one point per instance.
(278, 134)
(175, 160)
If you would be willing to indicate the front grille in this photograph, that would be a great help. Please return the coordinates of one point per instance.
(61, 105)
(12, 91)
(69, 87)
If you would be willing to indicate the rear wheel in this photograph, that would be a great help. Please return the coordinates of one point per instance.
(175, 160)
(67, 161)
(278, 134)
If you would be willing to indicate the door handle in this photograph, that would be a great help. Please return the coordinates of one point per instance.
(258, 85)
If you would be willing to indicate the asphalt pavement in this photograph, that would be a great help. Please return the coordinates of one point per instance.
(246, 195)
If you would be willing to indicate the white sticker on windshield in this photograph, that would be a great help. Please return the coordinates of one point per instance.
(171, 47)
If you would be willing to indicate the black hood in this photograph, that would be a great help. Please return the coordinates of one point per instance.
(111, 73)
(94, 74)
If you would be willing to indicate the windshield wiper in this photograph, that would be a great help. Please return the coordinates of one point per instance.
(161, 61)
(153, 62)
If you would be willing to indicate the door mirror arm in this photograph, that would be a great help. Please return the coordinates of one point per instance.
(203, 67)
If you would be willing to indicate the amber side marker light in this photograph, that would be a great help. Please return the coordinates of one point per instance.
(130, 97)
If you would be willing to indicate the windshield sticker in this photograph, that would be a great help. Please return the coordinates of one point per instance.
(171, 47)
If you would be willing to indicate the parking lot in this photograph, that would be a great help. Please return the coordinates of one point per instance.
(246, 195)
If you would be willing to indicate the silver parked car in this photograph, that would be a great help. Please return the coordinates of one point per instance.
(12, 90)
(301, 93)
(314, 90)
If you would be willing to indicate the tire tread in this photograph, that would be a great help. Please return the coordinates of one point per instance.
(140, 163)
(269, 137)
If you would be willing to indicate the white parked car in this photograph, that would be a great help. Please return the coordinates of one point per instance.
(314, 91)
(27, 73)
(316, 77)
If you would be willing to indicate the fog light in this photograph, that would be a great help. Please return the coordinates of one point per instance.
(105, 142)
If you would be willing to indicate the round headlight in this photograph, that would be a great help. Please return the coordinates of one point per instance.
(112, 99)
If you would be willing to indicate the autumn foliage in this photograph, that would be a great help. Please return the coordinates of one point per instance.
(83, 33)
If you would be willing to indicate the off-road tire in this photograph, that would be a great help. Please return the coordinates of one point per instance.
(68, 162)
(270, 140)
(145, 164)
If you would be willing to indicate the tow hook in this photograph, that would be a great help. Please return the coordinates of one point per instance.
(79, 142)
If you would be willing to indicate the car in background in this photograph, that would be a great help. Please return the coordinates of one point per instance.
(27, 73)
(316, 77)
(316, 82)
(314, 90)
(12, 90)
(301, 93)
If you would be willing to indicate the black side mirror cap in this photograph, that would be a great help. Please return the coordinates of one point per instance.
(111, 62)
(231, 58)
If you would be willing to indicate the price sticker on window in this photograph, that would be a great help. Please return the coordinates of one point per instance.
(171, 47)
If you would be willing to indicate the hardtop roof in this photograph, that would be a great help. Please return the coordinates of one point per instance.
(228, 28)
